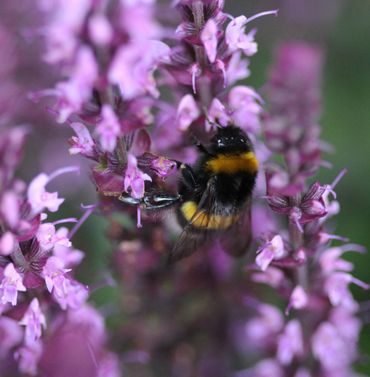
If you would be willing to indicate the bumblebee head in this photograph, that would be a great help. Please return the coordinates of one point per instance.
(230, 139)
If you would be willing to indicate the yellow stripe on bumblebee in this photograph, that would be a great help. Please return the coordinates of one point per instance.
(233, 163)
(206, 221)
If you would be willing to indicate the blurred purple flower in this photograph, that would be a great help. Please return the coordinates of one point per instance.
(290, 343)
(273, 249)
(10, 335)
(34, 320)
(11, 284)
(133, 72)
(108, 129)
(83, 143)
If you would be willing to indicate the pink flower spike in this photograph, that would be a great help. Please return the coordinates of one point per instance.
(270, 251)
(10, 285)
(298, 299)
(187, 112)
(34, 320)
(83, 143)
(108, 129)
(209, 38)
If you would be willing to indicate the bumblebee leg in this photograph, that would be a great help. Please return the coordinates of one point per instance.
(125, 198)
(188, 176)
(160, 201)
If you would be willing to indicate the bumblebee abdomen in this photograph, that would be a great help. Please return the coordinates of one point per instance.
(202, 219)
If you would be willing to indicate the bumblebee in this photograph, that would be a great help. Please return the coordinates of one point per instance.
(214, 195)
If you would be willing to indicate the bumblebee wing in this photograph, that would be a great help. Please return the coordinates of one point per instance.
(236, 239)
(192, 237)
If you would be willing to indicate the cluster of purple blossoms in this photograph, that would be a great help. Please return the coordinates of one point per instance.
(318, 336)
(36, 262)
(110, 95)
(134, 90)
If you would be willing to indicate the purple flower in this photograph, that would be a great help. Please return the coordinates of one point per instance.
(327, 344)
(39, 198)
(10, 335)
(73, 93)
(268, 323)
(133, 72)
(264, 368)
(7, 243)
(237, 69)
(100, 29)
(54, 275)
(298, 299)
(187, 112)
(69, 257)
(67, 292)
(336, 287)
(83, 143)
(73, 295)
(236, 38)
(162, 166)
(134, 178)
(290, 343)
(34, 320)
(273, 249)
(10, 207)
(217, 114)
(243, 102)
(108, 129)
(11, 284)
(28, 357)
(309, 208)
(48, 237)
